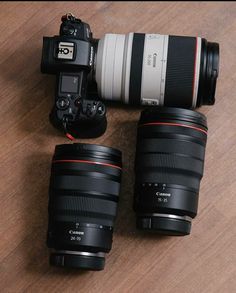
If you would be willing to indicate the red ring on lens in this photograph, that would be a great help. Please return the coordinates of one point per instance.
(174, 124)
(87, 162)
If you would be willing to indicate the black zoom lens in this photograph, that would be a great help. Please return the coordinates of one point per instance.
(83, 196)
(169, 166)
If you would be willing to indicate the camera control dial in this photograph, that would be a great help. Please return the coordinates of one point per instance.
(62, 103)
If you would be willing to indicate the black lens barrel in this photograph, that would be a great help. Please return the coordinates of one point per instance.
(83, 196)
(168, 167)
(181, 62)
(180, 73)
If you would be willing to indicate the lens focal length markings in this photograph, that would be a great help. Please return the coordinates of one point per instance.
(154, 69)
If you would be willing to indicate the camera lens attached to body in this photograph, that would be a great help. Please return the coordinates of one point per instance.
(83, 196)
(168, 168)
(154, 69)
(136, 68)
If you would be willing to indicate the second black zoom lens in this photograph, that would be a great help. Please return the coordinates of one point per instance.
(169, 166)
(83, 196)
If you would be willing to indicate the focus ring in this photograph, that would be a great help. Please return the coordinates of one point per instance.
(171, 161)
(86, 183)
(84, 204)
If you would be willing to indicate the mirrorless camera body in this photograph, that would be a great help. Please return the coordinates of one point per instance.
(70, 56)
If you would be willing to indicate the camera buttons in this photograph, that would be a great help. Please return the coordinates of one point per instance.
(77, 102)
(101, 109)
(90, 111)
(62, 103)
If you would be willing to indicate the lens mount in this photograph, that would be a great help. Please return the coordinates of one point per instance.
(165, 224)
(78, 259)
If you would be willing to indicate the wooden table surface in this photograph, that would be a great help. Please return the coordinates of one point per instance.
(205, 261)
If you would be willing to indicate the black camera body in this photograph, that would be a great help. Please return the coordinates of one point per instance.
(70, 56)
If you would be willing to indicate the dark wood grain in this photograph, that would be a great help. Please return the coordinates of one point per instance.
(205, 261)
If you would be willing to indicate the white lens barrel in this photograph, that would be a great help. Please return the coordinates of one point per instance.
(117, 77)
(154, 69)
(109, 66)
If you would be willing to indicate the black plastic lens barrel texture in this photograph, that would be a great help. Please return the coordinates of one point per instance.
(168, 167)
(83, 195)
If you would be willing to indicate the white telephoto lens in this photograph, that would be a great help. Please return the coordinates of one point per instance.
(148, 69)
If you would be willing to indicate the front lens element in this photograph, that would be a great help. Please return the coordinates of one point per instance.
(83, 196)
(169, 166)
